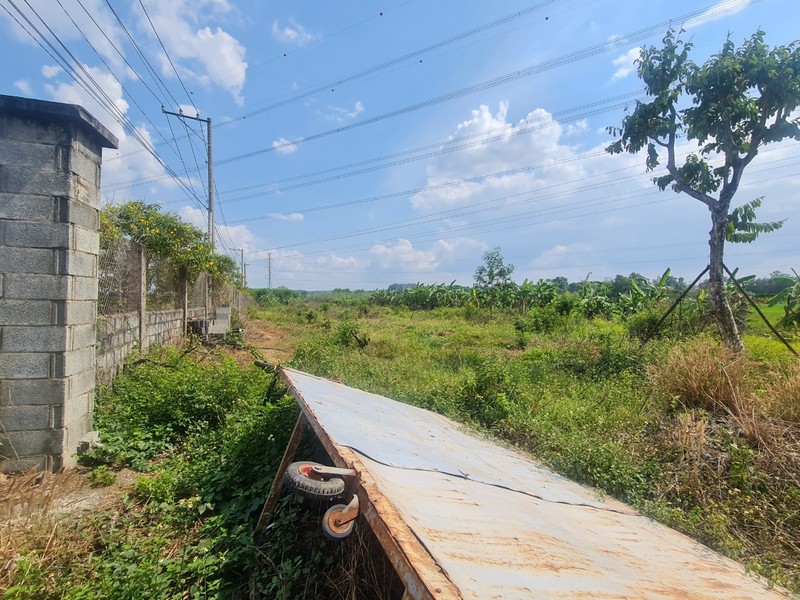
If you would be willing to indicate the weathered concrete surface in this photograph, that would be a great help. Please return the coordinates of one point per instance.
(50, 156)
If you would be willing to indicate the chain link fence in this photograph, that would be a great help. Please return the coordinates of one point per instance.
(118, 277)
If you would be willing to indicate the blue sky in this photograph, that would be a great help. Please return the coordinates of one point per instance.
(363, 143)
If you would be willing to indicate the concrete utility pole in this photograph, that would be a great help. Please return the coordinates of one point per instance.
(210, 207)
(210, 149)
(241, 263)
(269, 270)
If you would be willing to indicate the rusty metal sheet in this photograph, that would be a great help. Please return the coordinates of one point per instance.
(497, 524)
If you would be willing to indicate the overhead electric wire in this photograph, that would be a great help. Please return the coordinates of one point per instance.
(110, 70)
(160, 100)
(396, 60)
(516, 218)
(166, 54)
(576, 56)
(444, 147)
(145, 61)
(450, 146)
(185, 90)
(98, 93)
(180, 156)
(330, 35)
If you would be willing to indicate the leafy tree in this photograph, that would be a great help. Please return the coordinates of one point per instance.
(167, 236)
(741, 99)
(494, 272)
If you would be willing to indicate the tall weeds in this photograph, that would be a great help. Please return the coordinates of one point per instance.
(704, 374)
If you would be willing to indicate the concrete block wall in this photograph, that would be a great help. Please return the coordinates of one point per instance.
(50, 157)
(118, 336)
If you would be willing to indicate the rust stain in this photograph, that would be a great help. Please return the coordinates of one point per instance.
(507, 528)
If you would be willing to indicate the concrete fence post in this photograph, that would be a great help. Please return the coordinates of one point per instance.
(50, 155)
(142, 299)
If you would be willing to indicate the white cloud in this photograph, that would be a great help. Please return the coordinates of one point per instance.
(189, 110)
(578, 127)
(284, 146)
(560, 255)
(334, 261)
(719, 11)
(504, 150)
(340, 115)
(72, 93)
(92, 16)
(201, 53)
(293, 33)
(137, 164)
(625, 63)
(240, 235)
(24, 86)
(404, 256)
(50, 71)
(291, 217)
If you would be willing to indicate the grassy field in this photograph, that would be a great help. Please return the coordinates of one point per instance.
(700, 439)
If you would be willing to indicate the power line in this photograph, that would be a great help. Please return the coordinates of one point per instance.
(407, 156)
(561, 61)
(484, 137)
(83, 78)
(395, 61)
(169, 59)
(519, 220)
(145, 61)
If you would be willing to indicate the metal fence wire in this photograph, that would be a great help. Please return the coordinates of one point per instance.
(119, 288)
(118, 277)
(163, 284)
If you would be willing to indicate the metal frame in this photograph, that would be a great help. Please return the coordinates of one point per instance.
(423, 578)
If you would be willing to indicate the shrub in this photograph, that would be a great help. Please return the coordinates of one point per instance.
(704, 374)
(349, 333)
(642, 325)
(486, 391)
(784, 395)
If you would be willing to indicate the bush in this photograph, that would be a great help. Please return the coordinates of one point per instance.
(163, 396)
(704, 374)
(784, 395)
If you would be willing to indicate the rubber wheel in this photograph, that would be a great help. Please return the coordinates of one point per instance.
(301, 479)
(331, 528)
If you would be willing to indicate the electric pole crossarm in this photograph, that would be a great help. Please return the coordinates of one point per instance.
(210, 148)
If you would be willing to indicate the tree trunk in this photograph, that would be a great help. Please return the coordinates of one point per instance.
(720, 307)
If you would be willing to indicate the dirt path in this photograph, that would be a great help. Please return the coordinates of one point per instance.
(275, 343)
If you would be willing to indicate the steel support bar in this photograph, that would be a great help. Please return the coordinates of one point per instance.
(275, 491)
(326, 470)
(758, 310)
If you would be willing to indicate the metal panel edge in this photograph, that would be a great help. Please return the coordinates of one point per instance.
(423, 577)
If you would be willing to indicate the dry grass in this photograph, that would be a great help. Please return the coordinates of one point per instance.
(783, 395)
(35, 492)
(365, 571)
(705, 375)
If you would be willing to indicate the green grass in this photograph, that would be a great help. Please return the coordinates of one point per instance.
(577, 394)
(580, 398)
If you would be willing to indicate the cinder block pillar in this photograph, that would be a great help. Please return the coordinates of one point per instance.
(50, 155)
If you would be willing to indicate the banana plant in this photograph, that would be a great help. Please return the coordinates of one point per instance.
(790, 298)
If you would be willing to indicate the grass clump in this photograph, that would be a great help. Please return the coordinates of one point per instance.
(703, 374)
(783, 395)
